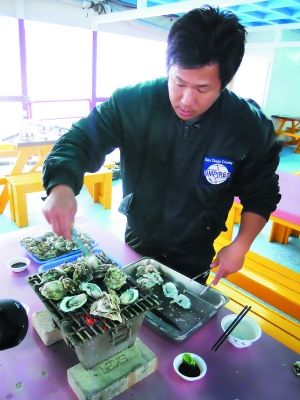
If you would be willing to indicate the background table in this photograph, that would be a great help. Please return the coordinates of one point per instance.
(33, 371)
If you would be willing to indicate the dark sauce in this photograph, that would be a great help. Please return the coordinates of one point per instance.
(189, 370)
(18, 265)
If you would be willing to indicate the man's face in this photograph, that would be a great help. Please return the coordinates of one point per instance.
(193, 91)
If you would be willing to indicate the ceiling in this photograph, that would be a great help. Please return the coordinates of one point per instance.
(252, 13)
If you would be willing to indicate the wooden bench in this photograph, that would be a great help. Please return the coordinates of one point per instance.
(99, 184)
(285, 219)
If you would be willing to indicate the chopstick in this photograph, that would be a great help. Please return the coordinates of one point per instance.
(230, 328)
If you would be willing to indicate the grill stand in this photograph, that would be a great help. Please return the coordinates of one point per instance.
(108, 378)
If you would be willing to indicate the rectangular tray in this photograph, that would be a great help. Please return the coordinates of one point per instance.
(61, 258)
(188, 321)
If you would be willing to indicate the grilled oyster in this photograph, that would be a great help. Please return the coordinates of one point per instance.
(114, 278)
(71, 303)
(170, 290)
(51, 275)
(107, 306)
(129, 296)
(91, 289)
(183, 301)
(69, 285)
(82, 272)
(144, 269)
(53, 290)
(149, 280)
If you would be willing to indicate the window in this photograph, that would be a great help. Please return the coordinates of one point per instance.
(125, 60)
(59, 61)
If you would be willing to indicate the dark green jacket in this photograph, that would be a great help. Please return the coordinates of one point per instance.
(184, 178)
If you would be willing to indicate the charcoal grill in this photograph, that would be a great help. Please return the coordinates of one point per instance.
(96, 339)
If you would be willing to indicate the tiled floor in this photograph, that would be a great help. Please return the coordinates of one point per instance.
(287, 255)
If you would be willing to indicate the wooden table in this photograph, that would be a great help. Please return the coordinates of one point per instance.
(34, 371)
(288, 126)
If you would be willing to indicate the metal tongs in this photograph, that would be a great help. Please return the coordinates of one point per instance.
(86, 251)
(199, 276)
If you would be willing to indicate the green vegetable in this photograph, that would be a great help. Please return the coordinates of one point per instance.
(188, 359)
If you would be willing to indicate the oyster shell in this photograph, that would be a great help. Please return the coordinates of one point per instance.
(296, 368)
(71, 303)
(69, 285)
(53, 290)
(170, 290)
(51, 245)
(51, 275)
(107, 306)
(129, 296)
(115, 278)
(149, 280)
(144, 269)
(183, 301)
(82, 272)
(91, 289)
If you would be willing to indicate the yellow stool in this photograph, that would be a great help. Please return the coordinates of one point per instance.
(4, 194)
(99, 184)
(18, 187)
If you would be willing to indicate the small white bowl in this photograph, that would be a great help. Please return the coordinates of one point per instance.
(201, 364)
(244, 334)
(18, 264)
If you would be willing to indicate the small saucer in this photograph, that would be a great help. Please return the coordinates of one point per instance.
(18, 264)
(200, 362)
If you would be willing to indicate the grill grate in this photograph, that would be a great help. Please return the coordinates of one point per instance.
(79, 325)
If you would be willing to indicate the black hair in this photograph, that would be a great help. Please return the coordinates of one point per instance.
(205, 36)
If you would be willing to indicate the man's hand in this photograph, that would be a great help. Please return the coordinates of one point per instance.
(60, 209)
(229, 259)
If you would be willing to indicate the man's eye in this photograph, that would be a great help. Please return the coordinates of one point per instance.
(179, 84)
(203, 90)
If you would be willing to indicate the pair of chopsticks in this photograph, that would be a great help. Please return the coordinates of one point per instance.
(230, 328)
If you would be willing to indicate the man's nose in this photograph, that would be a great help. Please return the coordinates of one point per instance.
(187, 97)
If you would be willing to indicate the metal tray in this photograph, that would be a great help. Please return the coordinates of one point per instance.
(188, 321)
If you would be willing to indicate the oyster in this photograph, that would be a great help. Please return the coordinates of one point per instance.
(183, 301)
(51, 275)
(82, 272)
(115, 278)
(69, 285)
(129, 296)
(144, 269)
(149, 280)
(71, 303)
(170, 290)
(53, 290)
(296, 368)
(107, 306)
(51, 245)
(91, 289)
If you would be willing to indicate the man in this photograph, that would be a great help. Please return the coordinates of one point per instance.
(188, 146)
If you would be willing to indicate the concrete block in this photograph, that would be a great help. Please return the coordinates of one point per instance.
(114, 375)
(45, 327)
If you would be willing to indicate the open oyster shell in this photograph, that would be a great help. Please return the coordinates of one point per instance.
(71, 303)
(183, 301)
(107, 306)
(91, 289)
(129, 296)
(170, 290)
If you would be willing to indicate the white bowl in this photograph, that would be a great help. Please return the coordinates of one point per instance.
(201, 364)
(22, 261)
(244, 334)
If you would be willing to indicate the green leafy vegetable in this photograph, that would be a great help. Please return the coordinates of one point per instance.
(188, 359)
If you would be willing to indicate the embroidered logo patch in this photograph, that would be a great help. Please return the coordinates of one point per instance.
(216, 170)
